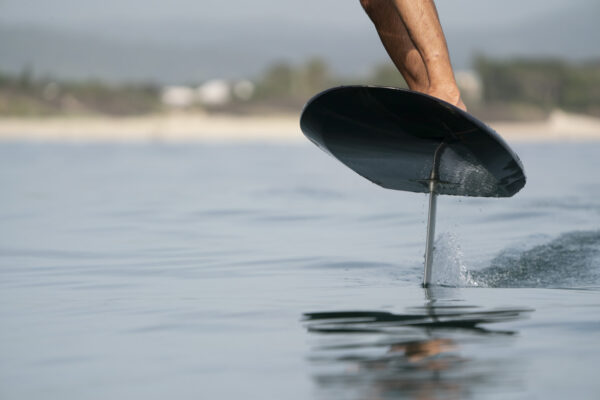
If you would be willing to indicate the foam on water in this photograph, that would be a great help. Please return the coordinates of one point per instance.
(571, 260)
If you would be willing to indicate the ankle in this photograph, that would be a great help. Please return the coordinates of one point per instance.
(444, 91)
(448, 93)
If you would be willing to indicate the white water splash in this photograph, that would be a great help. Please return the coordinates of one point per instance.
(449, 268)
(571, 260)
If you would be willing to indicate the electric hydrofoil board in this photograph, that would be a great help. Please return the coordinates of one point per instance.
(406, 140)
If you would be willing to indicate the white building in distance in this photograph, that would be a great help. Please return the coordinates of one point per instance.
(178, 96)
(216, 92)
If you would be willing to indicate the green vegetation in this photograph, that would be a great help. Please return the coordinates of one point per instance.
(283, 80)
(522, 89)
(543, 84)
(24, 95)
(285, 86)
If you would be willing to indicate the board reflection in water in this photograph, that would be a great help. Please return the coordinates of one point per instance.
(441, 350)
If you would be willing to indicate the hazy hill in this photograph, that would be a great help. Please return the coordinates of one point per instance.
(187, 51)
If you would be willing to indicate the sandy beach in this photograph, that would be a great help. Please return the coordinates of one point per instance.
(186, 127)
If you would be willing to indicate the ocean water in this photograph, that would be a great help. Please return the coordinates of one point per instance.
(264, 271)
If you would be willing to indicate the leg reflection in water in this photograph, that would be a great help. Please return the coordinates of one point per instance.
(436, 351)
(420, 350)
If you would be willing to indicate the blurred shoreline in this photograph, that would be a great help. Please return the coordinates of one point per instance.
(184, 127)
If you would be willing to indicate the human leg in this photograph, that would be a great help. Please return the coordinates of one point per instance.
(397, 42)
(412, 35)
(423, 25)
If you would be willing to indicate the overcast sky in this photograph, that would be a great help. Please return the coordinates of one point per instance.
(180, 40)
(82, 13)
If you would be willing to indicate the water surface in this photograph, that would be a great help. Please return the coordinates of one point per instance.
(264, 271)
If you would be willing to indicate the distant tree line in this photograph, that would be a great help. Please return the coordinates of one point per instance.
(545, 83)
(24, 94)
(287, 81)
(510, 89)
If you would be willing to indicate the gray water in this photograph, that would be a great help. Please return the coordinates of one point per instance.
(273, 272)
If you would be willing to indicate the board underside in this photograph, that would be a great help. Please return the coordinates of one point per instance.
(390, 137)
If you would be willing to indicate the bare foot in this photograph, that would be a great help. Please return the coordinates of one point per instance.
(461, 105)
(449, 95)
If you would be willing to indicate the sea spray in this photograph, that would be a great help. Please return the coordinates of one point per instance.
(568, 261)
(449, 268)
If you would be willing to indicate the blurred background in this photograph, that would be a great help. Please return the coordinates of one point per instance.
(514, 60)
(173, 270)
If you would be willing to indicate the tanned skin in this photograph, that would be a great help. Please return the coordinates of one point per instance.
(411, 33)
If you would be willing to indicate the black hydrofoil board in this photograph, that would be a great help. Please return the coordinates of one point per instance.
(395, 137)
(405, 140)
